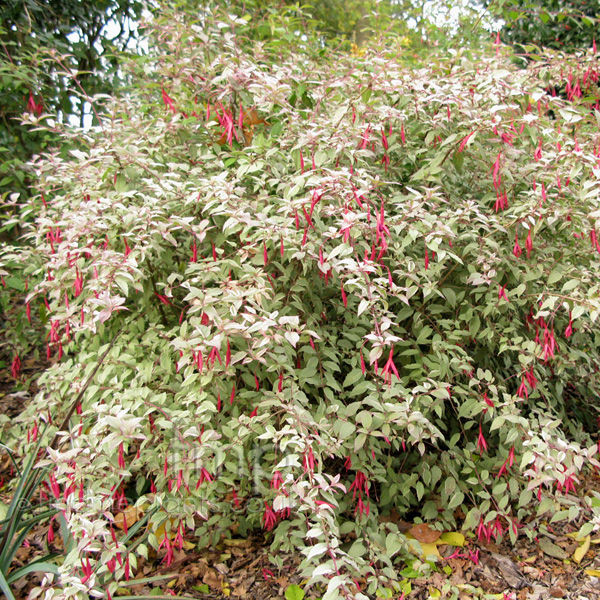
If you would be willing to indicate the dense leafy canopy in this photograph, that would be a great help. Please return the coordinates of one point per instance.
(296, 291)
(564, 25)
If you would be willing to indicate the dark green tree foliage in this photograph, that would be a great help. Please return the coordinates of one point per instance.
(53, 55)
(558, 24)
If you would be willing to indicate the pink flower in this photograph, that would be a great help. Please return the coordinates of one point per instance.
(464, 141)
(502, 293)
(168, 101)
(384, 139)
(33, 107)
(569, 329)
(344, 299)
(516, 248)
(269, 518)
(496, 175)
(204, 476)
(308, 461)
(529, 244)
(523, 391)
(481, 443)
(86, 567)
(537, 155)
(362, 507)
(78, 285)
(15, 368)
(390, 368)
(277, 480)
(549, 344)
(360, 484)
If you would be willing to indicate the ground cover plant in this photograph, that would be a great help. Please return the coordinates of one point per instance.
(297, 292)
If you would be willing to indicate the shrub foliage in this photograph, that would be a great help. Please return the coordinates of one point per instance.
(334, 288)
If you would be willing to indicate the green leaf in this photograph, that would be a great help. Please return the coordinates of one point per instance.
(294, 592)
(353, 377)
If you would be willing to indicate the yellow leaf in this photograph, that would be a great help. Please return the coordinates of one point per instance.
(430, 549)
(226, 591)
(592, 572)
(160, 532)
(434, 593)
(172, 583)
(582, 550)
(452, 538)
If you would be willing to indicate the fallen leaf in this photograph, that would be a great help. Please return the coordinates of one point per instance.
(213, 580)
(452, 538)
(582, 550)
(424, 534)
(130, 516)
(551, 549)
(429, 550)
(239, 591)
(592, 572)
(237, 543)
(510, 571)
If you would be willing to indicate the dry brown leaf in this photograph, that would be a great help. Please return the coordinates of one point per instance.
(424, 534)
(130, 515)
(213, 580)
(239, 591)
(237, 543)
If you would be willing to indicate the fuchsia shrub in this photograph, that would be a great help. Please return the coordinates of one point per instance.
(337, 287)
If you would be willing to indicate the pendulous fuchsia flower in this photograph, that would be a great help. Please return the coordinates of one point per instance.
(15, 367)
(344, 298)
(537, 155)
(496, 175)
(549, 344)
(529, 244)
(481, 443)
(502, 293)
(277, 480)
(523, 391)
(464, 141)
(569, 329)
(168, 101)
(390, 368)
(516, 248)
(269, 518)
